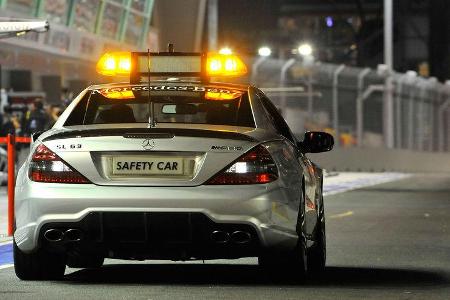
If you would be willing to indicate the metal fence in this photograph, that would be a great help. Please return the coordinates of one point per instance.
(363, 107)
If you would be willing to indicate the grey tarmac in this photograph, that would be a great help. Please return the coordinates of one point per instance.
(390, 241)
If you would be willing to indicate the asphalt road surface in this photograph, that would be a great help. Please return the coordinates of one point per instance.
(390, 241)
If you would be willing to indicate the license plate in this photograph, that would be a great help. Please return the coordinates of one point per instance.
(127, 165)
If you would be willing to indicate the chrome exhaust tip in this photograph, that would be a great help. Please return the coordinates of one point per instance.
(220, 237)
(73, 235)
(241, 237)
(54, 235)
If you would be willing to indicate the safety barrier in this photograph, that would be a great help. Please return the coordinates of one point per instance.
(365, 108)
(11, 141)
(382, 159)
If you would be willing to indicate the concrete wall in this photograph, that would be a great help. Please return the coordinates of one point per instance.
(379, 159)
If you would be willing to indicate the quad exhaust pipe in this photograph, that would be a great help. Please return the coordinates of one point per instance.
(240, 237)
(236, 237)
(70, 235)
(217, 236)
(54, 235)
(73, 235)
(220, 237)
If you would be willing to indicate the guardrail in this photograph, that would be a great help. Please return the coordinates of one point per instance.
(11, 141)
(361, 107)
(382, 160)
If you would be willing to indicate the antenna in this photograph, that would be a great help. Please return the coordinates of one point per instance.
(151, 116)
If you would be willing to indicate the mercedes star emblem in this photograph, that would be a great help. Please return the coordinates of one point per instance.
(148, 144)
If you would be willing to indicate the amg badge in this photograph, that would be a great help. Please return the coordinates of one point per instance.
(226, 148)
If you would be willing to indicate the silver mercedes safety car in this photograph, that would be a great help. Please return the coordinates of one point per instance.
(175, 168)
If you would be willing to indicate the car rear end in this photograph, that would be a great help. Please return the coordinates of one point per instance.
(202, 182)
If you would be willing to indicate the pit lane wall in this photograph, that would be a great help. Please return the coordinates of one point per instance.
(381, 160)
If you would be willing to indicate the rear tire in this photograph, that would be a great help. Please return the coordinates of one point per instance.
(318, 253)
(39, 265)
(292, 264)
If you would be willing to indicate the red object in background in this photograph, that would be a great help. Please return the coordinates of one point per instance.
(11, 179)
(24, 98)
(11, 141)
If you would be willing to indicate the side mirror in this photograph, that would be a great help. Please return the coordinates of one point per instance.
(316, 142)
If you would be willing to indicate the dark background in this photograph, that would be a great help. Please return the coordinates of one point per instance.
(355, 37)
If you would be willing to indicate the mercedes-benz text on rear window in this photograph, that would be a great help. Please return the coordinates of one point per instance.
(170, 104)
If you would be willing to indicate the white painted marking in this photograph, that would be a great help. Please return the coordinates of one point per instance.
(348, 181)
(6, 266)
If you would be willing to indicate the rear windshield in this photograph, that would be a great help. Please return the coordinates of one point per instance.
(191, 105)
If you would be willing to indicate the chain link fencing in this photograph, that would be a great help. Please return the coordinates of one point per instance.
(363, 107)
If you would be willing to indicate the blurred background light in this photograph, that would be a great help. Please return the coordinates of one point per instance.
(226, 51)
(305, 49)
(329, 21)
(264, 51)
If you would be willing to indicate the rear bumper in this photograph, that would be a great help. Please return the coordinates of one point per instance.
(131, 211)
(155, 235)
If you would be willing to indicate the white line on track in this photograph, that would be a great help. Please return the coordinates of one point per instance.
(6, 266)
(348, 181)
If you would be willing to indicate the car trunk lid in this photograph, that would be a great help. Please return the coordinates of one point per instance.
(151, 157)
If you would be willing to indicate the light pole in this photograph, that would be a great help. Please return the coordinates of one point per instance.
(388, 34)
(388, 103)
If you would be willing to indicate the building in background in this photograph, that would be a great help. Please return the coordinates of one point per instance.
(334, 29)
(80, 30)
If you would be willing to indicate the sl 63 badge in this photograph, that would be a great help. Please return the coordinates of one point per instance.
(68, 147)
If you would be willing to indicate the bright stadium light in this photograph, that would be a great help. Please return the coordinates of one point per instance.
(226, 51)
(305, 49)
(264, 51)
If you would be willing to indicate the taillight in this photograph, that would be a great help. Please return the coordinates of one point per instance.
(254, 167)
(46, 166)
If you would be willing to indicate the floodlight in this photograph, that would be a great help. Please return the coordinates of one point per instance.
(264, 51)
(305, 49)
